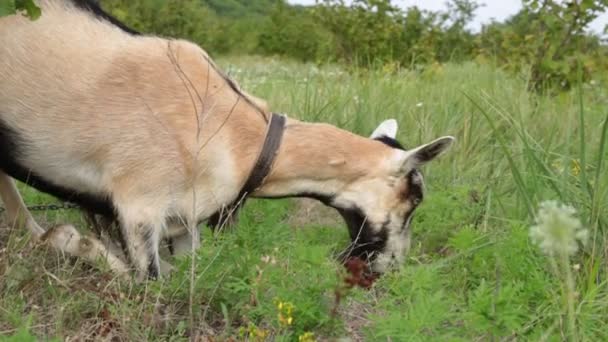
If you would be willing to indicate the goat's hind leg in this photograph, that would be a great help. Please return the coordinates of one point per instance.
(67, 239)
(17, 212)
(63, 237)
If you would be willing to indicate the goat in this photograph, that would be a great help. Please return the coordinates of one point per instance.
(148, 132)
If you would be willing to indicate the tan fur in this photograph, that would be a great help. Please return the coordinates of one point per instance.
(152, 125)
(308, 154)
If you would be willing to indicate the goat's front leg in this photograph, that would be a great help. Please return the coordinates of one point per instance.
(142, 236)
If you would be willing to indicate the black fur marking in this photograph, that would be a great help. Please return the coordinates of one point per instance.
(93, 7)
(430, 152)
(415, 192)
(171, 246)
(151, 250)
(153, 271)
(325, 199)
(424, 155)
(390, 142)
(10, 142)
(366, 244)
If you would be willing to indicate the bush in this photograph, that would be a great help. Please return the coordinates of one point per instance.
(547, 39)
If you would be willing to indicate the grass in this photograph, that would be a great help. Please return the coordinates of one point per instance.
(473, 273)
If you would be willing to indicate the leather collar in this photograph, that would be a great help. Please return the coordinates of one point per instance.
(261, 169)
(274, 136)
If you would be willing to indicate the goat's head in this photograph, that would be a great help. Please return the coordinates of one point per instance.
(378, 209)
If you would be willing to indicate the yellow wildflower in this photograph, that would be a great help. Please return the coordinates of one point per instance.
(576, 167)
(307, 337)
(254, 333)
(285, 313)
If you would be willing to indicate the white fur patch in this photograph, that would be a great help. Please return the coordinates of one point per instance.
(387, 128)
(417, 179)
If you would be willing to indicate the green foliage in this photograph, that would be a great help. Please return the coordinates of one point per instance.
(549, 38)
(187, 19)
(8, 7)
(294, 32)
(546, 40)
(241, 8)
(371, 32)
(414, 307)
(363, 31)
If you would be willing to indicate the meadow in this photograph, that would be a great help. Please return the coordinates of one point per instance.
(473, 273)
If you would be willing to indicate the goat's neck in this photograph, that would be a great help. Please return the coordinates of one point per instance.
(320, 160)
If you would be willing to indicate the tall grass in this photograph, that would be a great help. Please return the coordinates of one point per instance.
(473, 272)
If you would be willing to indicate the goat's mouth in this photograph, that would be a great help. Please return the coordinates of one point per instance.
(366, 243)
(361, 255)
(358, 260)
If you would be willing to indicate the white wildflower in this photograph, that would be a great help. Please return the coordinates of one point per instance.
(419, 104)
(557, 230)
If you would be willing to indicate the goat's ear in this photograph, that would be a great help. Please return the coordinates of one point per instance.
(387, 128)
(421, 155)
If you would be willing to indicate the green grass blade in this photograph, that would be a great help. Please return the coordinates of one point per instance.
(514, 170)
(529, 151)
(595, 208)
(583, 143)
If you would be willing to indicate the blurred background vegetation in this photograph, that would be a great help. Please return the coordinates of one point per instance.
(472, 274)
(547, 40)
